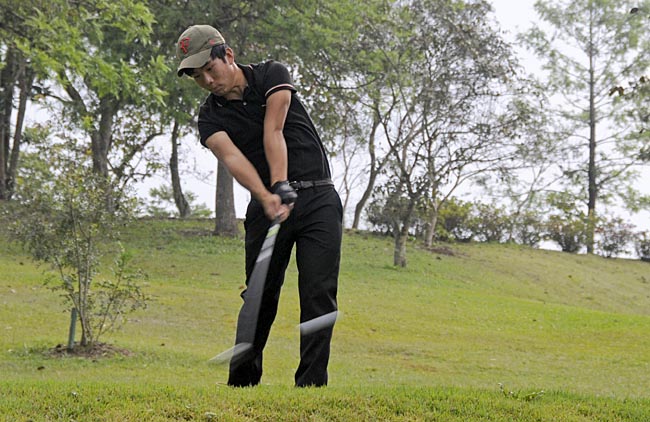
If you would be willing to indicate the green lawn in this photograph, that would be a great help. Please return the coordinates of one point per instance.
(465, 332)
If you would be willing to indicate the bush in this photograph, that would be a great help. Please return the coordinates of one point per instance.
(569, 233)
(642, 246)
(527, 228)
(68, 216)
(453, 219)
(614, 236)
(568, 227)
(489, 223)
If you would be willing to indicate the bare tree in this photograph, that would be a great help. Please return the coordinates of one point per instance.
(448, 119)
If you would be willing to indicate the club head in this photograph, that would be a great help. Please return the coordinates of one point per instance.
(319, 323)
(231, 355)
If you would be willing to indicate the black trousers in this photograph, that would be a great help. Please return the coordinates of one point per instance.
(315, 227)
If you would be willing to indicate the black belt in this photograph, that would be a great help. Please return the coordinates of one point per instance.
(311, 184)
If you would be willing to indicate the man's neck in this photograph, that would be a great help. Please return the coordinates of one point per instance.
(237, 92)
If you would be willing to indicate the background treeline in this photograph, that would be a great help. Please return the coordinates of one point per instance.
(416, 100)
(464, 221)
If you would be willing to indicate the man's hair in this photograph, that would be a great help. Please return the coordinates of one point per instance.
(217, 52)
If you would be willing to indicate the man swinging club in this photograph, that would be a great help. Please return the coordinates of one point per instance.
(254, 123)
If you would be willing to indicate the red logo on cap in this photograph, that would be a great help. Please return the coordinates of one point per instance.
(184, 45)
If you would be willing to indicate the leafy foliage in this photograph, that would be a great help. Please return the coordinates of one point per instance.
(489, 223)
(453, 221)
(614, 236)
(587, 48)
(567, 225)
(62, 219)
(642, 246)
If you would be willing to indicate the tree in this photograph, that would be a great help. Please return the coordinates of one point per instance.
(453, 221)
(16, 80)
(91, 58)
(637, 91)
(61, 219)
(163, 200)
(16, 75)
(642, 245)
(589, 46)
(445, 115)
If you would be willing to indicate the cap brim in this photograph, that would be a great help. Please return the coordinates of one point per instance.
(194, 61)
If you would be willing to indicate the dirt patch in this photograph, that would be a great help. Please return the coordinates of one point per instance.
(196, 233)
(94, 351)
(442, 250)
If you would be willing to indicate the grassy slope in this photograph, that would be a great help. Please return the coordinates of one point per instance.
(433, 340)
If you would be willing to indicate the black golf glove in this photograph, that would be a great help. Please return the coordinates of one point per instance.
(285, 191)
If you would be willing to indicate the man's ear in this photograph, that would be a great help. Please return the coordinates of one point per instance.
(230, 55)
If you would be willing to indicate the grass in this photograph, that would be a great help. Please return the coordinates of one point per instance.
(465, 332)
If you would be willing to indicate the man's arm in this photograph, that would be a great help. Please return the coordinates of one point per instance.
(275, 146)
(243, 171)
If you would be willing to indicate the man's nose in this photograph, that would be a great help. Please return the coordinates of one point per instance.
(207, 78)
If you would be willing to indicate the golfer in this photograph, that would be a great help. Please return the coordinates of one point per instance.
(254, 123)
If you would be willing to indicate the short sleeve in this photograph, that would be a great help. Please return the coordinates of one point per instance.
(276, 78)
(207, 123)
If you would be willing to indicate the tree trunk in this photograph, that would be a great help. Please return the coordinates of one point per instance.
(401, 236)
(7, 86)
(372, 177)
(591, 171)
(399, 255)
(358, 209)
(431, 228)
(101, 142)
(226, 219)
(179, 199)
(25, 80)
(101, 138)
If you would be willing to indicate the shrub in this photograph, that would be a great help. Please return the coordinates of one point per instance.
(453, 219)
(569, 233)
(68, 216)
(527, 228)
(568, 227)
(614, 236)
(489, 223)
(642, 245)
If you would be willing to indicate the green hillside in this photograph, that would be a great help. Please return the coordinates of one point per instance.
(465, 332)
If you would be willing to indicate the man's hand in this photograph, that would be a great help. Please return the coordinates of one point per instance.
(274, 208)
(279, 203)
(286, 193)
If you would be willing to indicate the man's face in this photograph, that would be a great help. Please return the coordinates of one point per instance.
(216, 76)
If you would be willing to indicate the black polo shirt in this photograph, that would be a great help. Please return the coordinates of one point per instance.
(243, 121)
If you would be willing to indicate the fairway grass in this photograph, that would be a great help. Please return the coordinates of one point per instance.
(51, 400)
(464, 332)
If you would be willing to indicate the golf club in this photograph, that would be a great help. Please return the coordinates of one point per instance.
(248, 315)
(318, 323)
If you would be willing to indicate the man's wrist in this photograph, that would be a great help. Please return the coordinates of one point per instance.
(284, 190)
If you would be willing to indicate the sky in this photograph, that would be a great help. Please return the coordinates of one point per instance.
(514, 16)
